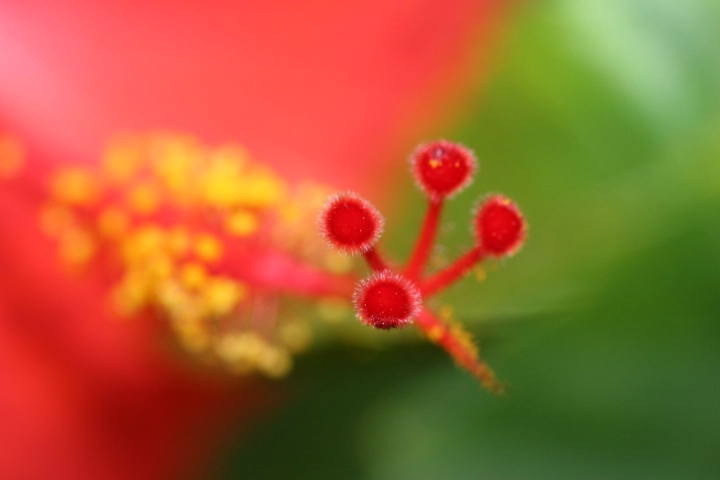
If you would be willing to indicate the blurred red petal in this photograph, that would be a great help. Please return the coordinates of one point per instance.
(84, 395)
(324, 88)
(324, 91)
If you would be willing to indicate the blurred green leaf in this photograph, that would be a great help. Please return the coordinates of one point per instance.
(582, 127)
(603, 122)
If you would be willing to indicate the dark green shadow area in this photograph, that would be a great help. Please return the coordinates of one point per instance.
(314, 434)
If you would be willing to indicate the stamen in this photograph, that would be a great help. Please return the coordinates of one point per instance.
(143, 198)
(458, 344)
(208, 248)
(242, 223)
(196, 235)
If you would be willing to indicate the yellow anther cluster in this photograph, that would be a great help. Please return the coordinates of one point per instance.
(208, 248)
(248, 351)
(465, 339)
(160, 215)
(75, 186)
(76, 243)
(242, 223)
(480, 273)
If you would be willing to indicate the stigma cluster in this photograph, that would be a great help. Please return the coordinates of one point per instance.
(392, 297)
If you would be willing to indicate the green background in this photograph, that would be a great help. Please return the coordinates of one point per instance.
(602, 120)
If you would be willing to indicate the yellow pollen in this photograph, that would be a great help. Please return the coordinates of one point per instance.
(144, 243)
(242, 223)
(435, 334)
(112, 223)
(75, 186)
(464, 337)
(447, 313)
(221, 181)
(144, 198)
(12, 156)
(163, 210)
(193, 275)
(259, 188)
(434, 163)
(178, 241)
(240, 350)
(220, 191)
(222, 295)
(177, 177)
(295, 335)
(208, 248)
(274, 362)
(131, 294)
(159, 267)
(193, 334)
(172, 297)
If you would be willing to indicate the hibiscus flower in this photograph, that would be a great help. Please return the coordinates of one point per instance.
(326, 92)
